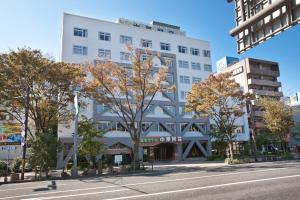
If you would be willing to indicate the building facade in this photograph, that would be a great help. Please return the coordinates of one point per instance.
(259, 78)
(169, 132)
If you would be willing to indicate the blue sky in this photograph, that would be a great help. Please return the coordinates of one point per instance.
(37, 24)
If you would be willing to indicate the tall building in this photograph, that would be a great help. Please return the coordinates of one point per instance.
(259, 20)
(259, 78)
(169, 132)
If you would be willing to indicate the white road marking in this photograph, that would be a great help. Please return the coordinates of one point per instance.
(23, 188)
(142, 183)
(76, 195)
(202, 188)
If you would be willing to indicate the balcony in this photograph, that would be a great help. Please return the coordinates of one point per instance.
(265, 93)
(264, 82)
(258, 113)
(264, 72)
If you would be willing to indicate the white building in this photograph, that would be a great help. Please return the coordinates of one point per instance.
(85, 39)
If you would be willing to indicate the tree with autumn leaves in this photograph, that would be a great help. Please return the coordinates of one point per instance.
(48, 84)
(278, 118)
(221, 99)
(128, 91)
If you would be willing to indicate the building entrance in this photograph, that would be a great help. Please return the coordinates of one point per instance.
(165, 151)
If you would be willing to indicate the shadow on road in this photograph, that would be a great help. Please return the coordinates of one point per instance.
(52, 186)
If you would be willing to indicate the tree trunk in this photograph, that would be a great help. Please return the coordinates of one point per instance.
(231, 150)
(100, 166)
(136, 155)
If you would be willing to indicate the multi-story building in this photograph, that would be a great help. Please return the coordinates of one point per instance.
(170, 133)
(257, 77)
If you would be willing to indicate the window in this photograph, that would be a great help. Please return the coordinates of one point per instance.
(183, 64)
(146, 43)
(165, 46)
(160, 29)
(101, 108)
(125, 39)
(196, 80)
(184, 79)
(80, 32)
(151, 109)
(104, 53)
(194, 51)
(207, 68)
(206, 53)
(104, 36)
(170, 78)
(124, 56)
(80, 50)
(172, 32)
(183, 94)
(103, 125)
(182, 49)
(196, 66)
(171, 109)
(144, 57)
(145, 126)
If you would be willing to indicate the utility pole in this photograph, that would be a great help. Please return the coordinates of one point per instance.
(26, 130)
(74, 168)
(253, 135)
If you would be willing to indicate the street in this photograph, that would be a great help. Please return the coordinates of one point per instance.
(270, 180)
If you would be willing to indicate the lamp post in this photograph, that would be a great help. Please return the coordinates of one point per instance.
(26, 130)
(74, 168)
(253, 134)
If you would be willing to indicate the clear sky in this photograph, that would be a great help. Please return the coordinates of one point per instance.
(37, 24)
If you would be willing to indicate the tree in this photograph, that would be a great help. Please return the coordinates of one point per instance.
(48, 84)
(128, 91)
(278, 118)
(221, 99)
(89, 146)
(44, 148)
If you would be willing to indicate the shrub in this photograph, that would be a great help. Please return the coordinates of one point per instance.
(3, 168)
(15, 166)
(232, 161)
(286, 156)
(215, 158)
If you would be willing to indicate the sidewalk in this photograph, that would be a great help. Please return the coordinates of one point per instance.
(157, 166)
(184, 164)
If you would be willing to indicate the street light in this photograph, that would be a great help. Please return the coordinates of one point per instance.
(74, 168)
(250, 103)
(26, 130)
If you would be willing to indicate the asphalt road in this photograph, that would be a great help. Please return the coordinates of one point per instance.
(267, 181)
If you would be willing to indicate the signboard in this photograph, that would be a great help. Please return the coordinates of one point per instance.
(13, 138)
(8, 148)
(118, 159)
(258, 21)
(10, 134)
(169, 139)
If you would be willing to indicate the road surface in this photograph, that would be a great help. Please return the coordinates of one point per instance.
(267, 181)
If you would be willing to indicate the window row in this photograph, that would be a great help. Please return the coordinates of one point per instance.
(106, 54)
(186, 79)
(150, 126)
(194, 65)
(102, 53)
(146, 43)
